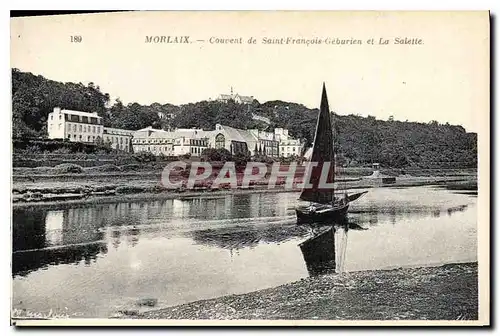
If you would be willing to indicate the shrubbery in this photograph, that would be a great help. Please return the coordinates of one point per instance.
(67, 168)
(104, 168)
(144, 157)
(216, 154)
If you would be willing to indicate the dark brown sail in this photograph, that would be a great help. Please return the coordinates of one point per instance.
(322, 154)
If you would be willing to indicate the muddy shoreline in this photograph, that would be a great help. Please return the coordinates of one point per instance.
(57, 192)
(447, 292)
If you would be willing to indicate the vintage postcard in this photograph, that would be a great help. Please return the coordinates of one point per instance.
(251, 168)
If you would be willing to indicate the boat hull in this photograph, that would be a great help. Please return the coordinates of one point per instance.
(330, 215)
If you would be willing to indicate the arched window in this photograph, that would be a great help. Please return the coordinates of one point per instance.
(220, 141)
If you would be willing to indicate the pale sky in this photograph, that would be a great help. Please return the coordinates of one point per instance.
(444, 79)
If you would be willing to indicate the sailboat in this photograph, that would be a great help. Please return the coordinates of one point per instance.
(325, 204)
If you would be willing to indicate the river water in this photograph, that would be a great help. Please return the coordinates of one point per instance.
(93, 260)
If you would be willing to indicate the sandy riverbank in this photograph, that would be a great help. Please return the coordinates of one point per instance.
(448, 292)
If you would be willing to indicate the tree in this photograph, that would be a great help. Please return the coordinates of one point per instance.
(358, 140)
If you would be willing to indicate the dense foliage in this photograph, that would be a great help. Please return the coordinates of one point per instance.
(359, 140)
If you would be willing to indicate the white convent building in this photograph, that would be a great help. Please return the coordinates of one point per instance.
(236, 97)
(86, 127)
(237, 141)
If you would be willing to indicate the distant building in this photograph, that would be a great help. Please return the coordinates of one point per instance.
(175, 143)
(288, 145)
(256, 142)
(74, 125)
(118, 138)
(260, 118)
(154, 141)
(165, 115)
(192, 141)
(236, 141)
(266, 143)
(236, 97)
(85, 127)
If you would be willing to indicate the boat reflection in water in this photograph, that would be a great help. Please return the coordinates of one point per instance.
(321, 253)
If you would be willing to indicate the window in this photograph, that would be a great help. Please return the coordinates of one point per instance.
(220, 141)
(74, 136)
(69, 136)
(60, 116)
(88, 138)
(121, 140)
(93, 138)
(74, 128)
(59, 127)
(52, 117)
(93, 129)
(80, 128)
(80, 137)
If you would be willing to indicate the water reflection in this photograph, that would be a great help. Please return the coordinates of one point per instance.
(107, 254)
(50, 237)
(42, 238)
(324, 252)
(393, 213)
(25, 262)
(231, 206)
(319, 252)
(239, 237)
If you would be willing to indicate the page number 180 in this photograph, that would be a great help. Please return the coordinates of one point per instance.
(76, 39)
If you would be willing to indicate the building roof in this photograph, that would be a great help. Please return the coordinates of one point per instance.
(178, 133)
(247, 99)
(118, 131)
(85, 114)
(237, 134)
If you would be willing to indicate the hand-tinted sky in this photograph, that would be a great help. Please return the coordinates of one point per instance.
(445, 79)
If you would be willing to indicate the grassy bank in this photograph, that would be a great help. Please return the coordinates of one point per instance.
(447, 292)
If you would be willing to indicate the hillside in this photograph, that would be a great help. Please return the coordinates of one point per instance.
(360, 140)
